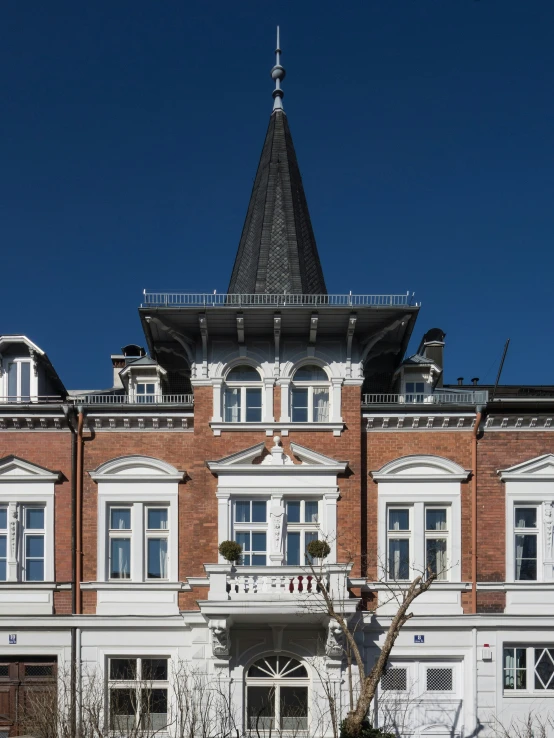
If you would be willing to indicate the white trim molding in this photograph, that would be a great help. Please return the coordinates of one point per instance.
(418, 468)
(135, 468)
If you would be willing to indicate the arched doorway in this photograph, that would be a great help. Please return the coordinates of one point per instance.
(277, 694)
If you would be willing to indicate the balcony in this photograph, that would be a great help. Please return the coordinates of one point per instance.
(192, 299)
(438, 398)
(113, 399)
(275, 589)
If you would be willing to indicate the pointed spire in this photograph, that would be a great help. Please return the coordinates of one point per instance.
(277, 252)
(278, 74)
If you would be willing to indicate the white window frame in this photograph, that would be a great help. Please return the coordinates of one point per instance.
(27, 532)
(24, 485)
(311, 385)
(421, 482)
(137, 684)
(409, 395)
(33, 380)
(530, 653)
(137, 482)
(252, 527)
(302, 527)
(402, 535)
(242, 386)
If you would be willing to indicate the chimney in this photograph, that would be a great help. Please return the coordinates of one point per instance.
(475, 381)
(128, 354)
(118, 363)
(432, 346)
(460, 380)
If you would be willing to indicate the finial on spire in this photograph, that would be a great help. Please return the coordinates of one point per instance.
(278, 74)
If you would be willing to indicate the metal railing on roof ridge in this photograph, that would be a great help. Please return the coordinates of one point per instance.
(113, 399)
(31, 400)
(199, 299)
(440, 398)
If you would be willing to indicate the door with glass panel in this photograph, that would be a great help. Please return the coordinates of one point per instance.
(277, 696)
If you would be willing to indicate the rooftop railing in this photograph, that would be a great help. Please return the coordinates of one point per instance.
(133, 399)
(193, 299)
(30, 400)
(443, 398)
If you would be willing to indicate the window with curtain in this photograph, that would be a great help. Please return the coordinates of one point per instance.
(157, 535)
(33, 542)
(310, 395)
(120, 534)
(250, 530)
(302, 526)
(138, 695)
(525, 543)
(242, 395)
(19, 381)
(399, 535)
(436, 541)
(529, 668)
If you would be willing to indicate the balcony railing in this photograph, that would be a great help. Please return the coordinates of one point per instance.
(443, 398)
(198, 299)
(31, 400)
(267, 582)
(133, 399)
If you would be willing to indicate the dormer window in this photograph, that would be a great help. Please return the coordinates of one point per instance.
(146, 392)
(19, 381)
(310, 395)
(415, 391)
(242, 398)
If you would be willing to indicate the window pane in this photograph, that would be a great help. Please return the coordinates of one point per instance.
(258, 541)
(120, 558)
(526, 517)
(311, 511)
(34, 546)
(410, 387)
(123, 710)
(310, 373)
(125, 669)
(153, 709)
(243, 374)
(25, 380)
(157, 518)
(3, 547)
(300, 405)
(294, 708)
(150, 389)
(436, 557)
(141, 388)
(261, 708)
(34, 518)
(157, 558)
(253, 405)
(242, 511)
(243, 537)
(154, 670)
(232, 404)
(435, 520)
(35, 570)
(3, 518)
(526, 557)
(259, 560)
(293, 549)
(12, 380)
(419, 387)
(259, 511)
(399, 559)
(293, 511)
(544, 668)
(120, 519)
(399, 520)
(321, 405)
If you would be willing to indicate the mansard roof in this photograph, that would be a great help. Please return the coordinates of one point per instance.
(277, 252)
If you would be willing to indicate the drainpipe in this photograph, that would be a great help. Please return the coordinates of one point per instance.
(475, 431)
(78, 513)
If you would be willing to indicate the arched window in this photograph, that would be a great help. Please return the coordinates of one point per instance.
(242, 398)
(310, 395)
(277, 694)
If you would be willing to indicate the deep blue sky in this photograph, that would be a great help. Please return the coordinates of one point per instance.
(130, 133)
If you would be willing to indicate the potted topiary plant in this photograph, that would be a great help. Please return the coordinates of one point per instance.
(318, 549)
(231, 551)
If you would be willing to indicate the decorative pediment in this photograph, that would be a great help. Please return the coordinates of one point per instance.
(14, 469)
(540, 468)
(421, 469)
(277, 461)
(136, 468)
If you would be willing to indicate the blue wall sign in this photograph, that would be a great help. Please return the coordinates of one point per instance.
(419, 639)
(12, 639)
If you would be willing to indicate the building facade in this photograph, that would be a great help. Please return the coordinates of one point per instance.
(274, 415)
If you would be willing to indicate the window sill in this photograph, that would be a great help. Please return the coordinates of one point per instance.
(126, 584)
(515, 586)
(381, 586)
(35, 585)
(270, 428)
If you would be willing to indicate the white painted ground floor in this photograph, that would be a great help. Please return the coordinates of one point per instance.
(448, 676)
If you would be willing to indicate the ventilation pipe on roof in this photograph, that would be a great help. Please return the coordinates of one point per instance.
(475, 381)
(460, 380)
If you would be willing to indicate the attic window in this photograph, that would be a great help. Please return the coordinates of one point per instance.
(146, 392)
(415, 391)
(19, 381)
